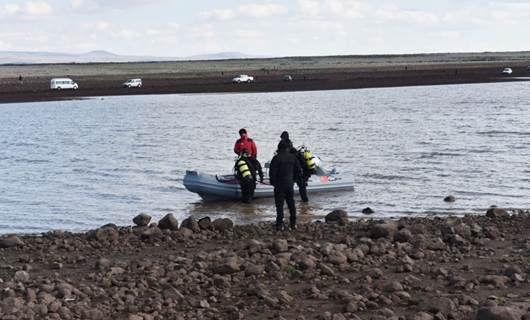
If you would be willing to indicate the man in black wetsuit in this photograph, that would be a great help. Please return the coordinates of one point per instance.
(284, 171)
(301, 182)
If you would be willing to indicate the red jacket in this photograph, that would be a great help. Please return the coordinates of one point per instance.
(246, 143)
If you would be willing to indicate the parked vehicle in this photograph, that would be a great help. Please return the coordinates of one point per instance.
(243, 78)
(507, 71)
(287, 78)
(63, 83)
(133, 83)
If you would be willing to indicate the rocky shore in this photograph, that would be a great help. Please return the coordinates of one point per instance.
(474, 267)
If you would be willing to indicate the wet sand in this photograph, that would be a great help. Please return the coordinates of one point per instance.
(101, 80)
(475, 267)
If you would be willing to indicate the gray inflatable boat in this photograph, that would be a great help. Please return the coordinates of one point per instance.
(226, 187)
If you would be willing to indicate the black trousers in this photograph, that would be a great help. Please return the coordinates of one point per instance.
(302, 184)
(286, 194)
(247, 189)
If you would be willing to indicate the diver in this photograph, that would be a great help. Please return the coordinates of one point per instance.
(307, 165)
(246, 174)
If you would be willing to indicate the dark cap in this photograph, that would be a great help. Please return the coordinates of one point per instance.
(285, 135)
(242, 131)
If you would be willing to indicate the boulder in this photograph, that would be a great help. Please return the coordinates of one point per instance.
(205, 223)
(168, 222)
(422, 316)
(383, 230)
(11, 241)
(498, 313)
(497, 281)
(105, 233)
(403, 235)
(229, 266)
(450, 199)
(280, 245)
(22, 276)
(142, 220)
(368, 210)
(223, 224)
(336, 216)
(191, 223)
(497, 213)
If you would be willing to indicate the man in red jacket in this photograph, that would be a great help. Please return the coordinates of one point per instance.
(245, 143)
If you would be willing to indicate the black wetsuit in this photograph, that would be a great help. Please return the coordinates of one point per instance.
(247, 183)
(284, 171)
(301, 182)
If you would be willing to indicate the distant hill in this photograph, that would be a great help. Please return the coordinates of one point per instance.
(29, 57)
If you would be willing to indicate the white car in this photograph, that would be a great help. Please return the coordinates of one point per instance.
(243, 78)
(507, 71)
(63, 83)
(133, 83)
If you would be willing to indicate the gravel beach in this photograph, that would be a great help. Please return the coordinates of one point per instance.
(473, 267)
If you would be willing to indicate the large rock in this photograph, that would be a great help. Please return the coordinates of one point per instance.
(422, 316)
(11, 241)
(205, 223)
(337, 216)
(403, 235)
(105, 233)
(22, 276)
(191, 224)
(450, 199)
(223, 224)
(168, 222)
(497, 213)
(142, 220)
(442, 304)
(368, 211)
(280, 245)
(229, 266)
(498, 313)
(495, 280)
(383, 230)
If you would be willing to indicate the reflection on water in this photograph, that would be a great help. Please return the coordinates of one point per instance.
(79, 164)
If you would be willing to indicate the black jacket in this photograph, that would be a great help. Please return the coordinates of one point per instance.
(284, 169)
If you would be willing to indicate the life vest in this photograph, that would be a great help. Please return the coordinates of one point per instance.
(243, 169)
(309, 160)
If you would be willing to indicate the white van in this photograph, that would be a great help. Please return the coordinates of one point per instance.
(133, 83)
(63, 83)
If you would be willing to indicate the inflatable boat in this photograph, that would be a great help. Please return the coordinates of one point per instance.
(226, 187)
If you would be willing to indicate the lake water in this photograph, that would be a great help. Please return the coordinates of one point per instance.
(76, 165)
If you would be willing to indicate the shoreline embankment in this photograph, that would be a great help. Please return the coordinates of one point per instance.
(31, 83)
(472, 267)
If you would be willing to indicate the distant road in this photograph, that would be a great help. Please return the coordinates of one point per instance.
(308, 73)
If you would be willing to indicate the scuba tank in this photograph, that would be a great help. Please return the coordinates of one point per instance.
(310, 160)
(242, 168)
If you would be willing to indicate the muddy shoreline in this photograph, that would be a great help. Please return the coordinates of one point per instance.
(474, 267)
(34, 89)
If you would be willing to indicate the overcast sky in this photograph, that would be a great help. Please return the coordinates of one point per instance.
(271, 28)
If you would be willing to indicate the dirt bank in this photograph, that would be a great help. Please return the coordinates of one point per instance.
(474, 267)
(36, 88)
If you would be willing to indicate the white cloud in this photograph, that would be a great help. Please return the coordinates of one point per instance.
(37, 8)
(248, 34)
(262, 10)
(126, 34)
(309, 7)
(253, 10)
(9, 9)
(97, 25)
(219, 14)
